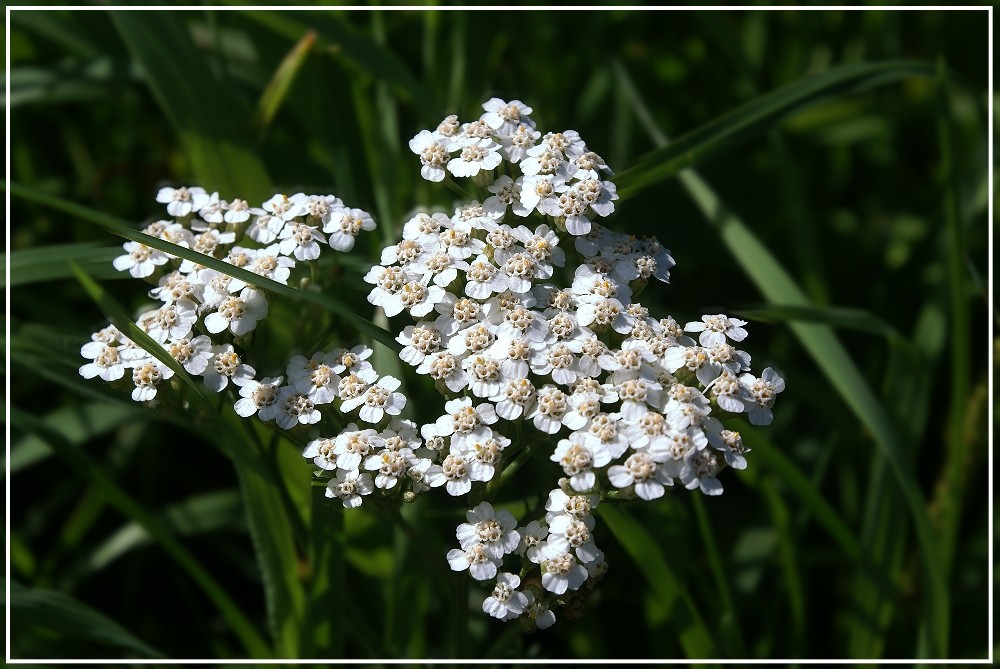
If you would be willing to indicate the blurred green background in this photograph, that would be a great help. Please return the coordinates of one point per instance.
(849, 225)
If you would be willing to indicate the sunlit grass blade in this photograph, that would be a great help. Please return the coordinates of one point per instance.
(648, 557)
(276, 93)
(210, 120)
(760, 115)
(87, 469)
(364, 53)
(779, 287)
(122, 229)
(821, 343)
(43, 620)
(47, 263)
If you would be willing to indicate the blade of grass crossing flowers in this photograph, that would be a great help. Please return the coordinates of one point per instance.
(122, 229)
(85, 467)
(47, 263)
(649, 559)
(778, 286)
(758, 116)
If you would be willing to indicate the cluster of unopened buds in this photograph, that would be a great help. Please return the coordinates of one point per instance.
(522, 314)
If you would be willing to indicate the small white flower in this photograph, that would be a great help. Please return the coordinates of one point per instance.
(344, 226)
(505, 602)
(715, 328)
(140, 260)
(560, 569)
(147, 375)
(349, 486)
(300, 240)
(106, 362)
(378, 400)
(492, 528)
(476, 559)
(505, 117)
(224, 367)
(182, 201)
(538, 612)
(434, 152)
(238, 314)
(761, 393)
(293, 408)
(482, 155)
(259, 397)
(193, 354)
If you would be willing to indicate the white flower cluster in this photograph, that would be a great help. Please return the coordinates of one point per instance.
(205, 315)
(524, 317)
(531, 322)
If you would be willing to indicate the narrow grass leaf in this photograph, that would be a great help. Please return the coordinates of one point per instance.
(276, 93)
(78, 424)
(821, 343)
(271, 530)
(648, 557)
(760, 115)
(37, 614)
(360, 50)
(325, 589)
(87, 469)
(47, 263)
(122, 229)
(205, 513)
(777, 286)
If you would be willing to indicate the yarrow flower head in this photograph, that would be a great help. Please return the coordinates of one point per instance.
(519, 315)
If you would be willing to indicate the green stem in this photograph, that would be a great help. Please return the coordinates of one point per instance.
(489, 492)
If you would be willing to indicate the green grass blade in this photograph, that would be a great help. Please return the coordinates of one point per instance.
(219, 511)
(325, 635)
(959, 443)
(760, 115)
(648, 557)
(837, 317)
(43, 620)
(729, 630)
(117, 317)
(46, 263)
(820, 342)
(354, 46)
(273, 534)
(122, 229)
(75, 81)
(89, 470)
(77, 424)
(770, 457)
(211, 123)
(281, 83)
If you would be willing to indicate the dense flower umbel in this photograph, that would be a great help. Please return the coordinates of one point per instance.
(523, 314)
